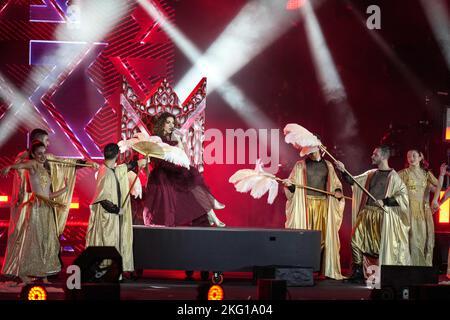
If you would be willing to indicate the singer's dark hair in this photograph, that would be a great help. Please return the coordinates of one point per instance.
(37, 134)
(160, 121)
(423, 163)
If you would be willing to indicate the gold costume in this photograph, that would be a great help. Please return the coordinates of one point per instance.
(419, 183)
(377, 233)
(318, 213)
(59, 172)
(109, 229)
(21, 193)
(38, 239)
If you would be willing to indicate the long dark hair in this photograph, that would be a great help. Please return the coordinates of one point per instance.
(423, 163)
(35, 144)
(159, 122)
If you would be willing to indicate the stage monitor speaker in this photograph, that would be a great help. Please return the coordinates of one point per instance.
(100, 264)
(403, 276)
(421, 292)
(271, 289)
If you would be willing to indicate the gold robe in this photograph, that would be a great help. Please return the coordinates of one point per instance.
(421, 237)
(394, 243)
(21, 193)
(60, 172)
(296, 215)
(109, 229)
(39, 239)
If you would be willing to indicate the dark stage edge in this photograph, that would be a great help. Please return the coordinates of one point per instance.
(172, 285)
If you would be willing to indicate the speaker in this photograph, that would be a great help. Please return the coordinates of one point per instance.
(100, 264)
(421, 292)
(100, 269)
(440, 252)
(271, 289)
(402, 276)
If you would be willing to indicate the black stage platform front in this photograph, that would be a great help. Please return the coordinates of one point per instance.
(224, 249)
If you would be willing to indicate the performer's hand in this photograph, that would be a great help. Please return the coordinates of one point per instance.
(443, 170)
(380, 203)
(340, 166)
(5, 171)
(435, 206)
(95, 165)
(121, 212)
(338, 195)
(142, 163)
(287, 182)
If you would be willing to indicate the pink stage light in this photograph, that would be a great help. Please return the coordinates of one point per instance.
(295, 4)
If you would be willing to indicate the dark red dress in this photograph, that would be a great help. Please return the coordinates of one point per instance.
(176, 196)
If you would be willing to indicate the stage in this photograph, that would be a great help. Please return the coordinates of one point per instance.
(173, 285)
(257, 98)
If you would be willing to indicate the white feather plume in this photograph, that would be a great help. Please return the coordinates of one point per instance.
(175, 155)
(301, 138)
(257, 181)
(171, 153)
(264, 185)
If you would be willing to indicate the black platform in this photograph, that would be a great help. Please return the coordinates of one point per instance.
(224, 249)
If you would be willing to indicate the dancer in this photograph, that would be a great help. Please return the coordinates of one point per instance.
(312, 210)
(381, 228)
(420, 182)
(110, 222)
(20, 194)
(37, 255)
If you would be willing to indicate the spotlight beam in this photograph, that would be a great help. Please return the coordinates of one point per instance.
(437, 15)
(98, 18)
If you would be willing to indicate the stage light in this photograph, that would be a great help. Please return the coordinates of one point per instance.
(215, 293)
(257, 25)
(74, 205)
(444, 210)
(295, 4)
(4, 199)
(242, 35)
(437, 15)
(98, 18)
(33, 292)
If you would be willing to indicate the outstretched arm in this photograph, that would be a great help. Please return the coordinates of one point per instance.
(28, 165)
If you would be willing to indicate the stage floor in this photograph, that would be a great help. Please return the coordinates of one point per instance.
(173, 285)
